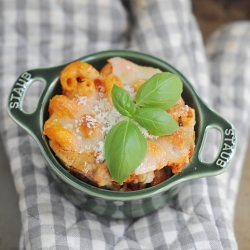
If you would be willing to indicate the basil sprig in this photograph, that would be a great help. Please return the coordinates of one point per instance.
(125, 146)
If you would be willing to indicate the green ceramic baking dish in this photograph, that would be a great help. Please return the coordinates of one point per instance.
(118, 204)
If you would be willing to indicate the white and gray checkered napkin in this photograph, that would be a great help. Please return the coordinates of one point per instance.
(46, 33)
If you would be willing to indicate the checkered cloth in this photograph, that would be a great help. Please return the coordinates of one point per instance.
(46, 33)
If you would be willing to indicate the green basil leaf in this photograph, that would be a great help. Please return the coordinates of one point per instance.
(122, 101)
(162, 90)
(156, 121)
(125, 148)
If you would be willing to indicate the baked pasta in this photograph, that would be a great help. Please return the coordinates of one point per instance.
(80, 118)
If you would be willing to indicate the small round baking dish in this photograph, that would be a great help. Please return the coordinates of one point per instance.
(117, 204)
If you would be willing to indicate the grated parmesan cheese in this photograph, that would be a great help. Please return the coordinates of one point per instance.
(99, 150)
(90, 121)
(81, 100)
(130, 90)
(106, 114)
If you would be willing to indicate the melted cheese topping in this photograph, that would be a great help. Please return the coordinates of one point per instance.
(81, 118)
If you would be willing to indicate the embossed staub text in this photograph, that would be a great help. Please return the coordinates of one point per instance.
(18, 90)
(227, 149)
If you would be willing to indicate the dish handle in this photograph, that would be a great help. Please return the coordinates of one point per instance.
(198, 167)
(31, 122)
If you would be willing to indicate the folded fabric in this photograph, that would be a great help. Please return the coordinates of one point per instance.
(48, 33)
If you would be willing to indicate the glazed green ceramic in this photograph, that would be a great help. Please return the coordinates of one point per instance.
(113, 203)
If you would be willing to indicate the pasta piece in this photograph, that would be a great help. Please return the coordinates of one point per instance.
(74, 75)
(62, 106)
(109, 82)
(62, 136)
(86, 87)
(90, 127)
